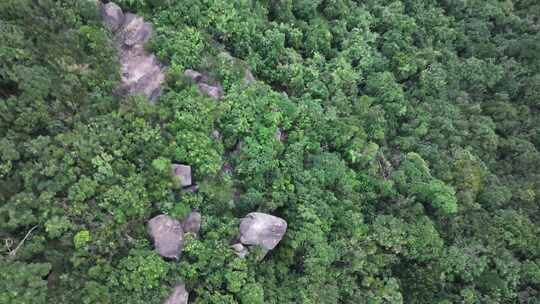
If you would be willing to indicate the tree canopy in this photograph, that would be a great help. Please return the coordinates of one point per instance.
(399, 139)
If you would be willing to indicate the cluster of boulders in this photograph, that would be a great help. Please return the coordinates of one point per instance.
(256, 229)
(167, 233)
(141, 73)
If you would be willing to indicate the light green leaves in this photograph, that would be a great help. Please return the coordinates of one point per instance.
(81, 239)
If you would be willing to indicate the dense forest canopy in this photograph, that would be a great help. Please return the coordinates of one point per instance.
(399, 139)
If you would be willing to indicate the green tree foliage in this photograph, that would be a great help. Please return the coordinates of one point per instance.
(22, 282)
(399, 139)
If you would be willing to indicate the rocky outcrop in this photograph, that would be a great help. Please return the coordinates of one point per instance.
(167, 235)
(182, 175)
(179, 295)
(262, 229)
(135, 32)
(112, 15)
(192, 224)
(141, 73)
(205, 84)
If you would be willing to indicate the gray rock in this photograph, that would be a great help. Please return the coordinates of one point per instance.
(112, 16)
(262, 229)
(194, 75)
(135, 31)
(216, 135)
(240, 250)
(214, 91)
(192, 189)
(279, 134)
(248, 77)
(192, 223)
(205, 84)
(141, 73)
(167, 235)
(182, 174)
(179, 295)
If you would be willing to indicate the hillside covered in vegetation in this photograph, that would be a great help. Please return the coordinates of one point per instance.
(394, 143)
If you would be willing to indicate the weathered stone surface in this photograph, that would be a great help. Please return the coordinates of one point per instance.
(135, 31)
(179, 295)
(141, 73)
(240, 250)
(216, 92)
(192, 223)
(182, 174)
(194, 75)
(167, 235)
(112, 15)
(248, 77)
(205, 84)
(279, 134)
(216, 135)
(262, 229)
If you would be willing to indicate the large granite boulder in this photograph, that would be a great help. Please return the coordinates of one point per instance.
(179, 295)
(112, 16)
(192, 223)
(182, 174)
(167, 235)
(262, 229)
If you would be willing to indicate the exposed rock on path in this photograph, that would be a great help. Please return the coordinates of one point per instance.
(141, 71)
